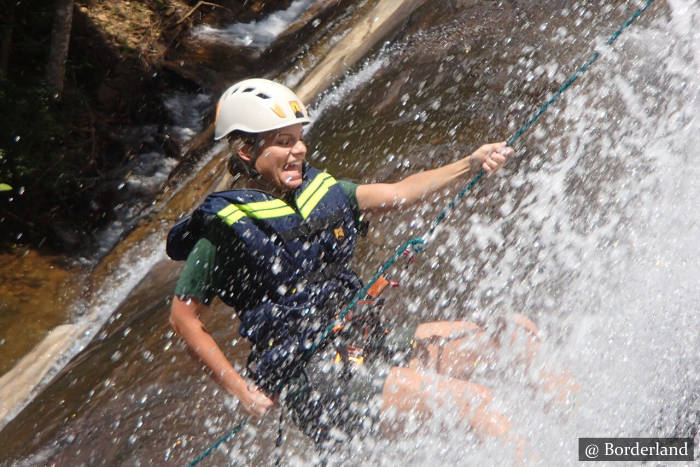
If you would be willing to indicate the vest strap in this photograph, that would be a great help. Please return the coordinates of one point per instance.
(313, 193)
(309, 227)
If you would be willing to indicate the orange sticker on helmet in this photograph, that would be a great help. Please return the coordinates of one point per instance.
(218, 108)
(278, 111)
(298, 109)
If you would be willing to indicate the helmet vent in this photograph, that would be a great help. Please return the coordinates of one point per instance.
(248, 90)
(263, 96)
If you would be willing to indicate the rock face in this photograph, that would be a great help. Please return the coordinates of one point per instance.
(377, 20)
(215, 56)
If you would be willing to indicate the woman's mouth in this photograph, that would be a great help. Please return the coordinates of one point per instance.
(291, 171)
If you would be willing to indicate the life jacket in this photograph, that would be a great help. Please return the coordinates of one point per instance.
(286, 265)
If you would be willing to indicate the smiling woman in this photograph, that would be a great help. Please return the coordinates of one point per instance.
(279, 159)
(278, 251)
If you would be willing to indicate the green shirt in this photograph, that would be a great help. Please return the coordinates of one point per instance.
(200, 278)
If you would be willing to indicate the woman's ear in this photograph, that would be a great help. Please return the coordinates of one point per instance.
(245, 152)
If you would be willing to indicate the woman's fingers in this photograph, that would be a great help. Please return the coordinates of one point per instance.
(495, 156)
(257, 403)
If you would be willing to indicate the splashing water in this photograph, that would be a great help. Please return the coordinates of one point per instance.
(601, 250)
(256, 34)
(591, 231)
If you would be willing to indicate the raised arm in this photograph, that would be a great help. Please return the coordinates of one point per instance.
(383, 197)
(184, 318)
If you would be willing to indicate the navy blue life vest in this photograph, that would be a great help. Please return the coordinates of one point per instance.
(286, 264)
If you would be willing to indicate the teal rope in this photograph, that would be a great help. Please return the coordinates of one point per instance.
(415, 243)
(541, 110)
(361, 293)
(223, 439)
(453, 203)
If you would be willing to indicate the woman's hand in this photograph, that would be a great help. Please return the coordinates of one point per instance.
(255, 401)
(184, 317)
(490, 157)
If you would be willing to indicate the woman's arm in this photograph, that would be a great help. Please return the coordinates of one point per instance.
(184, 318)
(383, 197)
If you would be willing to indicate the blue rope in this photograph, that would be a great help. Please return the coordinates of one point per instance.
(415, 243)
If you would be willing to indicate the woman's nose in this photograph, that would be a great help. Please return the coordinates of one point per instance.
(299, 148)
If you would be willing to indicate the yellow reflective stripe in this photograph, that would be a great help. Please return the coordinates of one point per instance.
(258, 210)
(316, 195)
(231, 214)
(266, 209)
(313, 186)
(306, 202)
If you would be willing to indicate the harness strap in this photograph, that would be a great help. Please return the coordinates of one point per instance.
(311, 226)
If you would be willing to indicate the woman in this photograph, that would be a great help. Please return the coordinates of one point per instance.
(278, 252)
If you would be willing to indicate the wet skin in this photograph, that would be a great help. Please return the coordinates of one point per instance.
(280, 158)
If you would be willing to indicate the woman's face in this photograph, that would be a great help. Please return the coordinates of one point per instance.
(281, 157)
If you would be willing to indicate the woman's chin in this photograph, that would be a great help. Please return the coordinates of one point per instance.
(291, 182)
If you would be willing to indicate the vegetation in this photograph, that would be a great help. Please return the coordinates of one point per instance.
(61, 107)
(44, 148)
(76, 76)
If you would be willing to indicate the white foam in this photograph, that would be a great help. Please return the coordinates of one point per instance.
(256, 34)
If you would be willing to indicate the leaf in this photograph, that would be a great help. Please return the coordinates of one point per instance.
(5, 187)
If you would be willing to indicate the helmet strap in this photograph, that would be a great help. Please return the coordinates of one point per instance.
(239, 167)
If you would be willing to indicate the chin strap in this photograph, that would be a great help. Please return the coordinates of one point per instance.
(239, 168)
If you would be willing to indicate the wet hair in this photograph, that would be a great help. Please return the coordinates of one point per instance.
(238, 139)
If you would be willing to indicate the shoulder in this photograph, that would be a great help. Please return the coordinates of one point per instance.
(350, 190)
(203, 252)
(236, 196)
(196, 278)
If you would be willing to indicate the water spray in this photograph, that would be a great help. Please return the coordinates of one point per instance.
(417, 244)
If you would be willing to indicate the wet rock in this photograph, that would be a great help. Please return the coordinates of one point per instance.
(214, 63)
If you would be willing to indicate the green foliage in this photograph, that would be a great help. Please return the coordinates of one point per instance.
(43, 158)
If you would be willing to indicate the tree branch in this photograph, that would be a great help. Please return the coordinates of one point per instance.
(200, 3)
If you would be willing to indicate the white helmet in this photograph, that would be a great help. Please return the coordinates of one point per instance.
(257, 105)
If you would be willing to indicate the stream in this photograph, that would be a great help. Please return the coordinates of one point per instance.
(591, 231)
